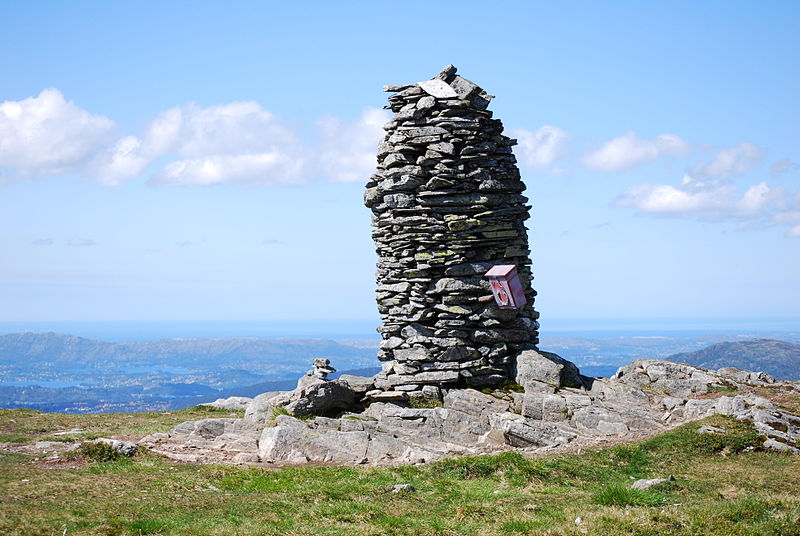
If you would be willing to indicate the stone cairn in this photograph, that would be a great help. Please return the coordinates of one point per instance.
(322, 367)
(447, 205)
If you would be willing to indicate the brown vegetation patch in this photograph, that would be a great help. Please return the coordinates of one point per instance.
(59, 463)
(782, 396)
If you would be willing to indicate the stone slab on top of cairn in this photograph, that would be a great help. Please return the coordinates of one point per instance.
(447, 206)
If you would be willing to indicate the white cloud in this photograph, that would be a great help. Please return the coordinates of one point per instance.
(48, 135)
(758, 206)
(43, 242)
(236, 128)
(668, 199)
(756, 199)
(80, 242)
(347, 151)
(263, 169)
(628, 151)
(731, 161)
(711, 199)
(119, 162)
(541, 148)
(784, 165)
(235, 143)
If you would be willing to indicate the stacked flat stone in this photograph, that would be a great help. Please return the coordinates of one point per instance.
(447, 205)
(322, 367)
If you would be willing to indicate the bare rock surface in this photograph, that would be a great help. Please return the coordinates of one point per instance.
(644, 398)
(238, 403)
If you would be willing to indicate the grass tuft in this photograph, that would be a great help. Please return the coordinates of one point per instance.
(420, 402)
(469, 467)
(519, 527)
(749, 510)
(621, 495)
(147, 526)
(98, 452)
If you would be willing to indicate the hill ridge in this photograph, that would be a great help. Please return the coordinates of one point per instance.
(777, 358)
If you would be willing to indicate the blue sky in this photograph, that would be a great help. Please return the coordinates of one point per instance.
(185, 161)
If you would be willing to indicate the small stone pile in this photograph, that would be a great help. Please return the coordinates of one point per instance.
(447, 205)
(322, 367)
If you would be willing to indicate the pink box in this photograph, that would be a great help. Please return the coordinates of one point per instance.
(506, 286)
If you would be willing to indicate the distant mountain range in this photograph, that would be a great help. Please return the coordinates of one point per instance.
(778, 358)
(57, 372)
(244, 353)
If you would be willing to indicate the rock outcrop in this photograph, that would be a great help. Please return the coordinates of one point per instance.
(559, 409)
(447, 205)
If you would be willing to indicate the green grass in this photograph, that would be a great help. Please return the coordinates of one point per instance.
(28, 426)
(508, 386)
(724, 388)
(419, 402)
(97, 452)
(723, 488)
(619, 494)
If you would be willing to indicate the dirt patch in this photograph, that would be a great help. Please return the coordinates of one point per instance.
(59, 463)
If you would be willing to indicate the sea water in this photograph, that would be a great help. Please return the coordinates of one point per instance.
(365, 328)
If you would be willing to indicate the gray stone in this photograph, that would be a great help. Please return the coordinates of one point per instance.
(397, 200)
(474, 402)
(464, 88)
(519, 433)
(391, 343)
(426, 102)
(322, 398)
(259, 409)
(451, 285)
(439, 376)
(777, 446)
(438, 89)
(359, 384)
(600, 421)
(468, 269)
(705, 429)
(403, 488)
(291, 441)
(532, 366)
(386, 396)
(746, 376)
(544, 407)
(126, 448)
(243, 458)
(431, 392)
(238, 403)
(413, 354)
(447, 73)
(646, 483)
